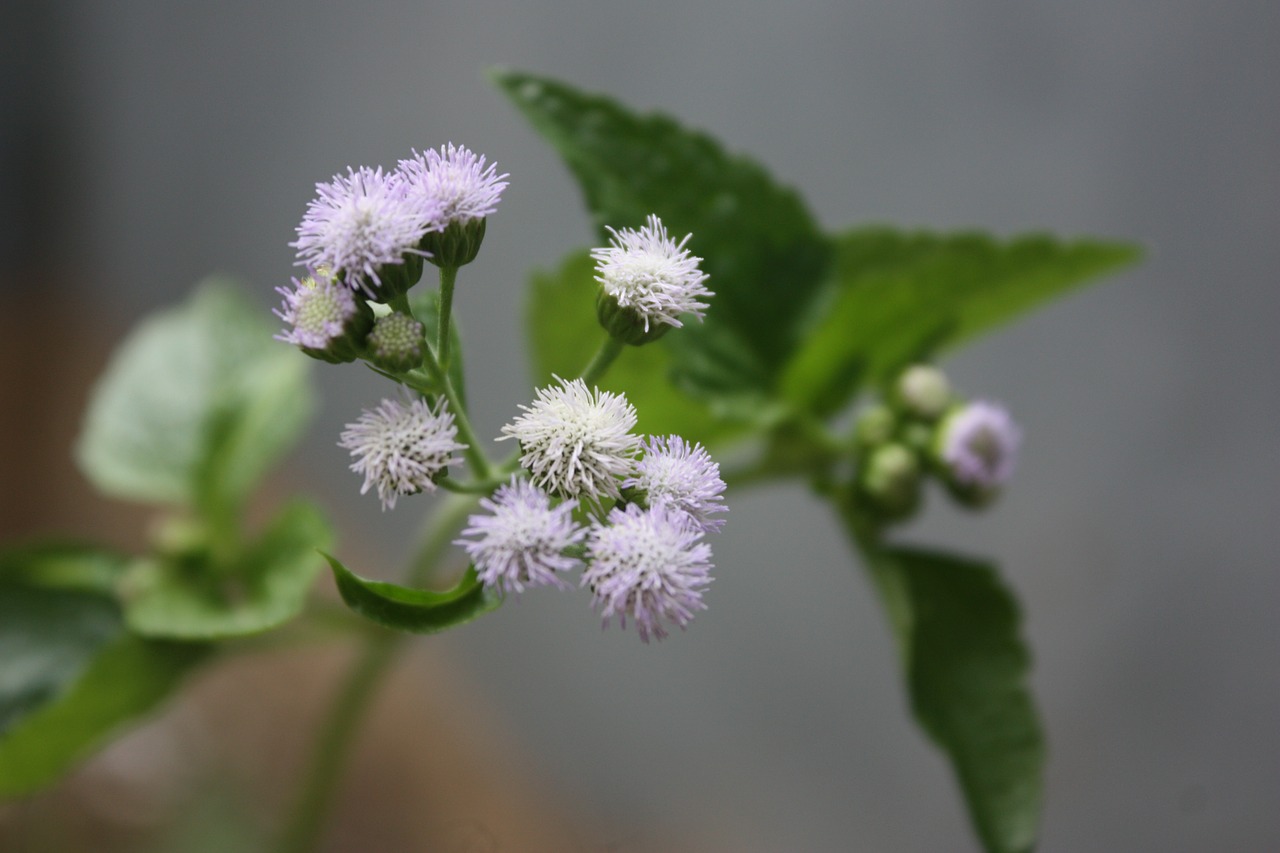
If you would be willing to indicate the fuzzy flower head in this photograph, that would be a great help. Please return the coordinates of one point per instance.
(649, 565)
(576, 442)
(456, 181)
(318, 310)
(521, 541)
(682, 476)
(402, 447)
(648, 273)
(979, 445)
(361, 222)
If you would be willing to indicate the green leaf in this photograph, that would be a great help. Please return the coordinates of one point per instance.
(127, 678)
(898, 297)
(266, 587)
(764, 254)
(195, 405)
(564, 334)
(416, 611)
(425, 303)
(69, 671)
(966, 665)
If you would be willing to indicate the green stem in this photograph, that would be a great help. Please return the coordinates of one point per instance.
(609, 350)
(479, 463)
(448, 275)
(334, 742)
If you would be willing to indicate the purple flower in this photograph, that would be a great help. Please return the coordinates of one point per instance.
(649, 565)
(521, 542)
(682, 476)
(979, 445)
(576, 442)
(649, 273)
(401, 448)
(360, 222)
(318, 309)
(455, 181)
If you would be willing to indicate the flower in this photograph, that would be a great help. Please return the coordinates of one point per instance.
(454, 180)
(396, 342)
(650, 274)
(685, 477)
(361, 222)
(648, 564)
(521, 542)
(401, 448)
(979, 445)
(576, 442)
(318, 309)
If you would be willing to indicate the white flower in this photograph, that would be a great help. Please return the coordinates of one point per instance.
(980, 445)
(649, 273)
(673, 472)
(402, 448)
(650, 565)
(456, 181)
(360, 222)
(576, 442)
(522, 539)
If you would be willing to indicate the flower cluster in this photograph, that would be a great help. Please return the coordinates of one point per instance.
(645, 558)
(971, 447)
(371, 227)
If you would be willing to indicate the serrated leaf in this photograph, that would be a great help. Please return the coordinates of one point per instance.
(564, 334)
(764, 254)
(265, 588)
(417, 611)
(966, 667)
(195, 405)
(897, 297)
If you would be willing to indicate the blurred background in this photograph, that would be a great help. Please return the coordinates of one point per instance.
(144, 145)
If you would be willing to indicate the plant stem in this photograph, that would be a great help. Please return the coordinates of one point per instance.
(479, 463)
(334, 742)
(448, 275)
(609, 350)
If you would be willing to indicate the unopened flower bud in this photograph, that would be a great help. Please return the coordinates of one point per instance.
(923, 391)
(396, 343)
(890, 478)
(875, 426)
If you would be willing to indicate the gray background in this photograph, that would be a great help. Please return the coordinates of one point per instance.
(148, 143)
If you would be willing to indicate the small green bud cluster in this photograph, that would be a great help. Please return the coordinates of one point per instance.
(924, 429)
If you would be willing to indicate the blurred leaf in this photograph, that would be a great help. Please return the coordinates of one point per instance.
(565, 334)
(966, 665)
(899, 297)
(759, 243)
(128, 677)
(60, 564)
(417, 611)
(266, 587)
(47, 639)
(69, 671)
(195, 405)
(425, 302)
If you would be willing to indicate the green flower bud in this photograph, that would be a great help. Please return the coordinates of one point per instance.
(923, 391)
(875, 426)
(890, 479)
(396, 343)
